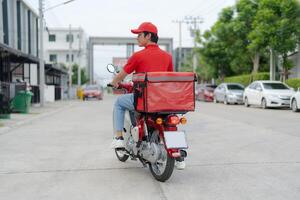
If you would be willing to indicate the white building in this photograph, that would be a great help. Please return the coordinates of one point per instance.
(18, 41)
(57, 46)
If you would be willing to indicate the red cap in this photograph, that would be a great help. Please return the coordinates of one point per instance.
(146, 26)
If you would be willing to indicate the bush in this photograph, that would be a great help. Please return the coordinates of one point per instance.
(247, 79)
(293, 82)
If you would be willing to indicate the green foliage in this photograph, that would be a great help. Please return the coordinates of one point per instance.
(240, 41)
(276, 26)
(83, 75)
(293, 82)
(247, 79)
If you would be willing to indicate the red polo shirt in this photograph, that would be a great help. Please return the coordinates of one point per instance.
(150, 59)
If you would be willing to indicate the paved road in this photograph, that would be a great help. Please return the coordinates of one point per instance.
(236, 153)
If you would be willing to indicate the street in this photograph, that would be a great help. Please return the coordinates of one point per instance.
(235, 153)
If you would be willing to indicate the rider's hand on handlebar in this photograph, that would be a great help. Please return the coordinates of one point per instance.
(112, 84)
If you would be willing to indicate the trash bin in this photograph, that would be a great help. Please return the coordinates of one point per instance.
(22, 101)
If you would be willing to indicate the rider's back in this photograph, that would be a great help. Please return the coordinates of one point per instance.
(150, 59)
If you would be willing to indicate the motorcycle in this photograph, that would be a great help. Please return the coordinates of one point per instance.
(152, 137)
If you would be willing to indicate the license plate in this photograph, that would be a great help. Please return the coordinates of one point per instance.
(90, 96)
(175, 140)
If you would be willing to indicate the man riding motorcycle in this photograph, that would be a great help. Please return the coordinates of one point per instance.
(150, 59)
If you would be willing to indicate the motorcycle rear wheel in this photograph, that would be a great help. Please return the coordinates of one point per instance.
(162, 171)
(121, 155)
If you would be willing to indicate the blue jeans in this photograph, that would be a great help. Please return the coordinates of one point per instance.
(123, 103)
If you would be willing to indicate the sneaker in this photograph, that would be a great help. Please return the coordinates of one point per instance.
(180, 165)
(117, 143)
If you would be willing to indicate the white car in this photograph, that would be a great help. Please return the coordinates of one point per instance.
(295, 101)
(268, 94)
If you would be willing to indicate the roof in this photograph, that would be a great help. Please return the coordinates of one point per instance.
(28, 5)
(55, 70)
(17, 55)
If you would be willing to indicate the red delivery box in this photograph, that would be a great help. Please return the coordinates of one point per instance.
(164, 92)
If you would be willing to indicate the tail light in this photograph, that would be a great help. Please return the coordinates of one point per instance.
(183, 120)
(173, 120)
(159, 121)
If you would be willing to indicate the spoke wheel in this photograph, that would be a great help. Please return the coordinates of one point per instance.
(163, 168)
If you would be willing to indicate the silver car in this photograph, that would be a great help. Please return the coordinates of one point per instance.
(229, 93)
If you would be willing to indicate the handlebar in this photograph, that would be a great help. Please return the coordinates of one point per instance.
(128, 87)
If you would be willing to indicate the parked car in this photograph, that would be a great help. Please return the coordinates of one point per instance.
(268, 94)
(205, 92)
(295, 101)
(93, 91)
(229, 93)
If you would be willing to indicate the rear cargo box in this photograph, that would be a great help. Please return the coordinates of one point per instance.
(164, 92)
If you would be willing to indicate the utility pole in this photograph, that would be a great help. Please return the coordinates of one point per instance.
(180, 43)
(194, 21)
(70, 60)
(79, 60)
(41, 54)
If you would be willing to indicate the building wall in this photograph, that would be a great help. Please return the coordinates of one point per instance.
(1, 23)
(13, 26)
(60, 47)
(185, 52)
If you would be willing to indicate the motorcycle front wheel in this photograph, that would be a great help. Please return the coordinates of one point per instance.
(121, 155)
(163, 168)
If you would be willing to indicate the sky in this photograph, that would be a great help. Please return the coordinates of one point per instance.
(117, 17)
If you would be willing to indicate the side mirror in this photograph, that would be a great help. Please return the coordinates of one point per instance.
(259, 89)
(298, 89)
(111, 68)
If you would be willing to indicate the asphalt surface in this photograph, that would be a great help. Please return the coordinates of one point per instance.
(234, 153)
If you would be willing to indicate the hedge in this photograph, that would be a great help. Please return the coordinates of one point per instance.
(247, 79)
(293, 82)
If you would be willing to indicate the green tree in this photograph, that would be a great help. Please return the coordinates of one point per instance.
(215, 51)
(84, 78)
(243, 25)
(277, 26)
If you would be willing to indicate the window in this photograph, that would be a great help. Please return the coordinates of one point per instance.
(234, 87)
(72, 57)
(52, 38)
(19, 34)
(5, 22)
(258, 87)
(253, 86)
(275, 86)
(53, 58)
(70, 36)
(29, 31)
